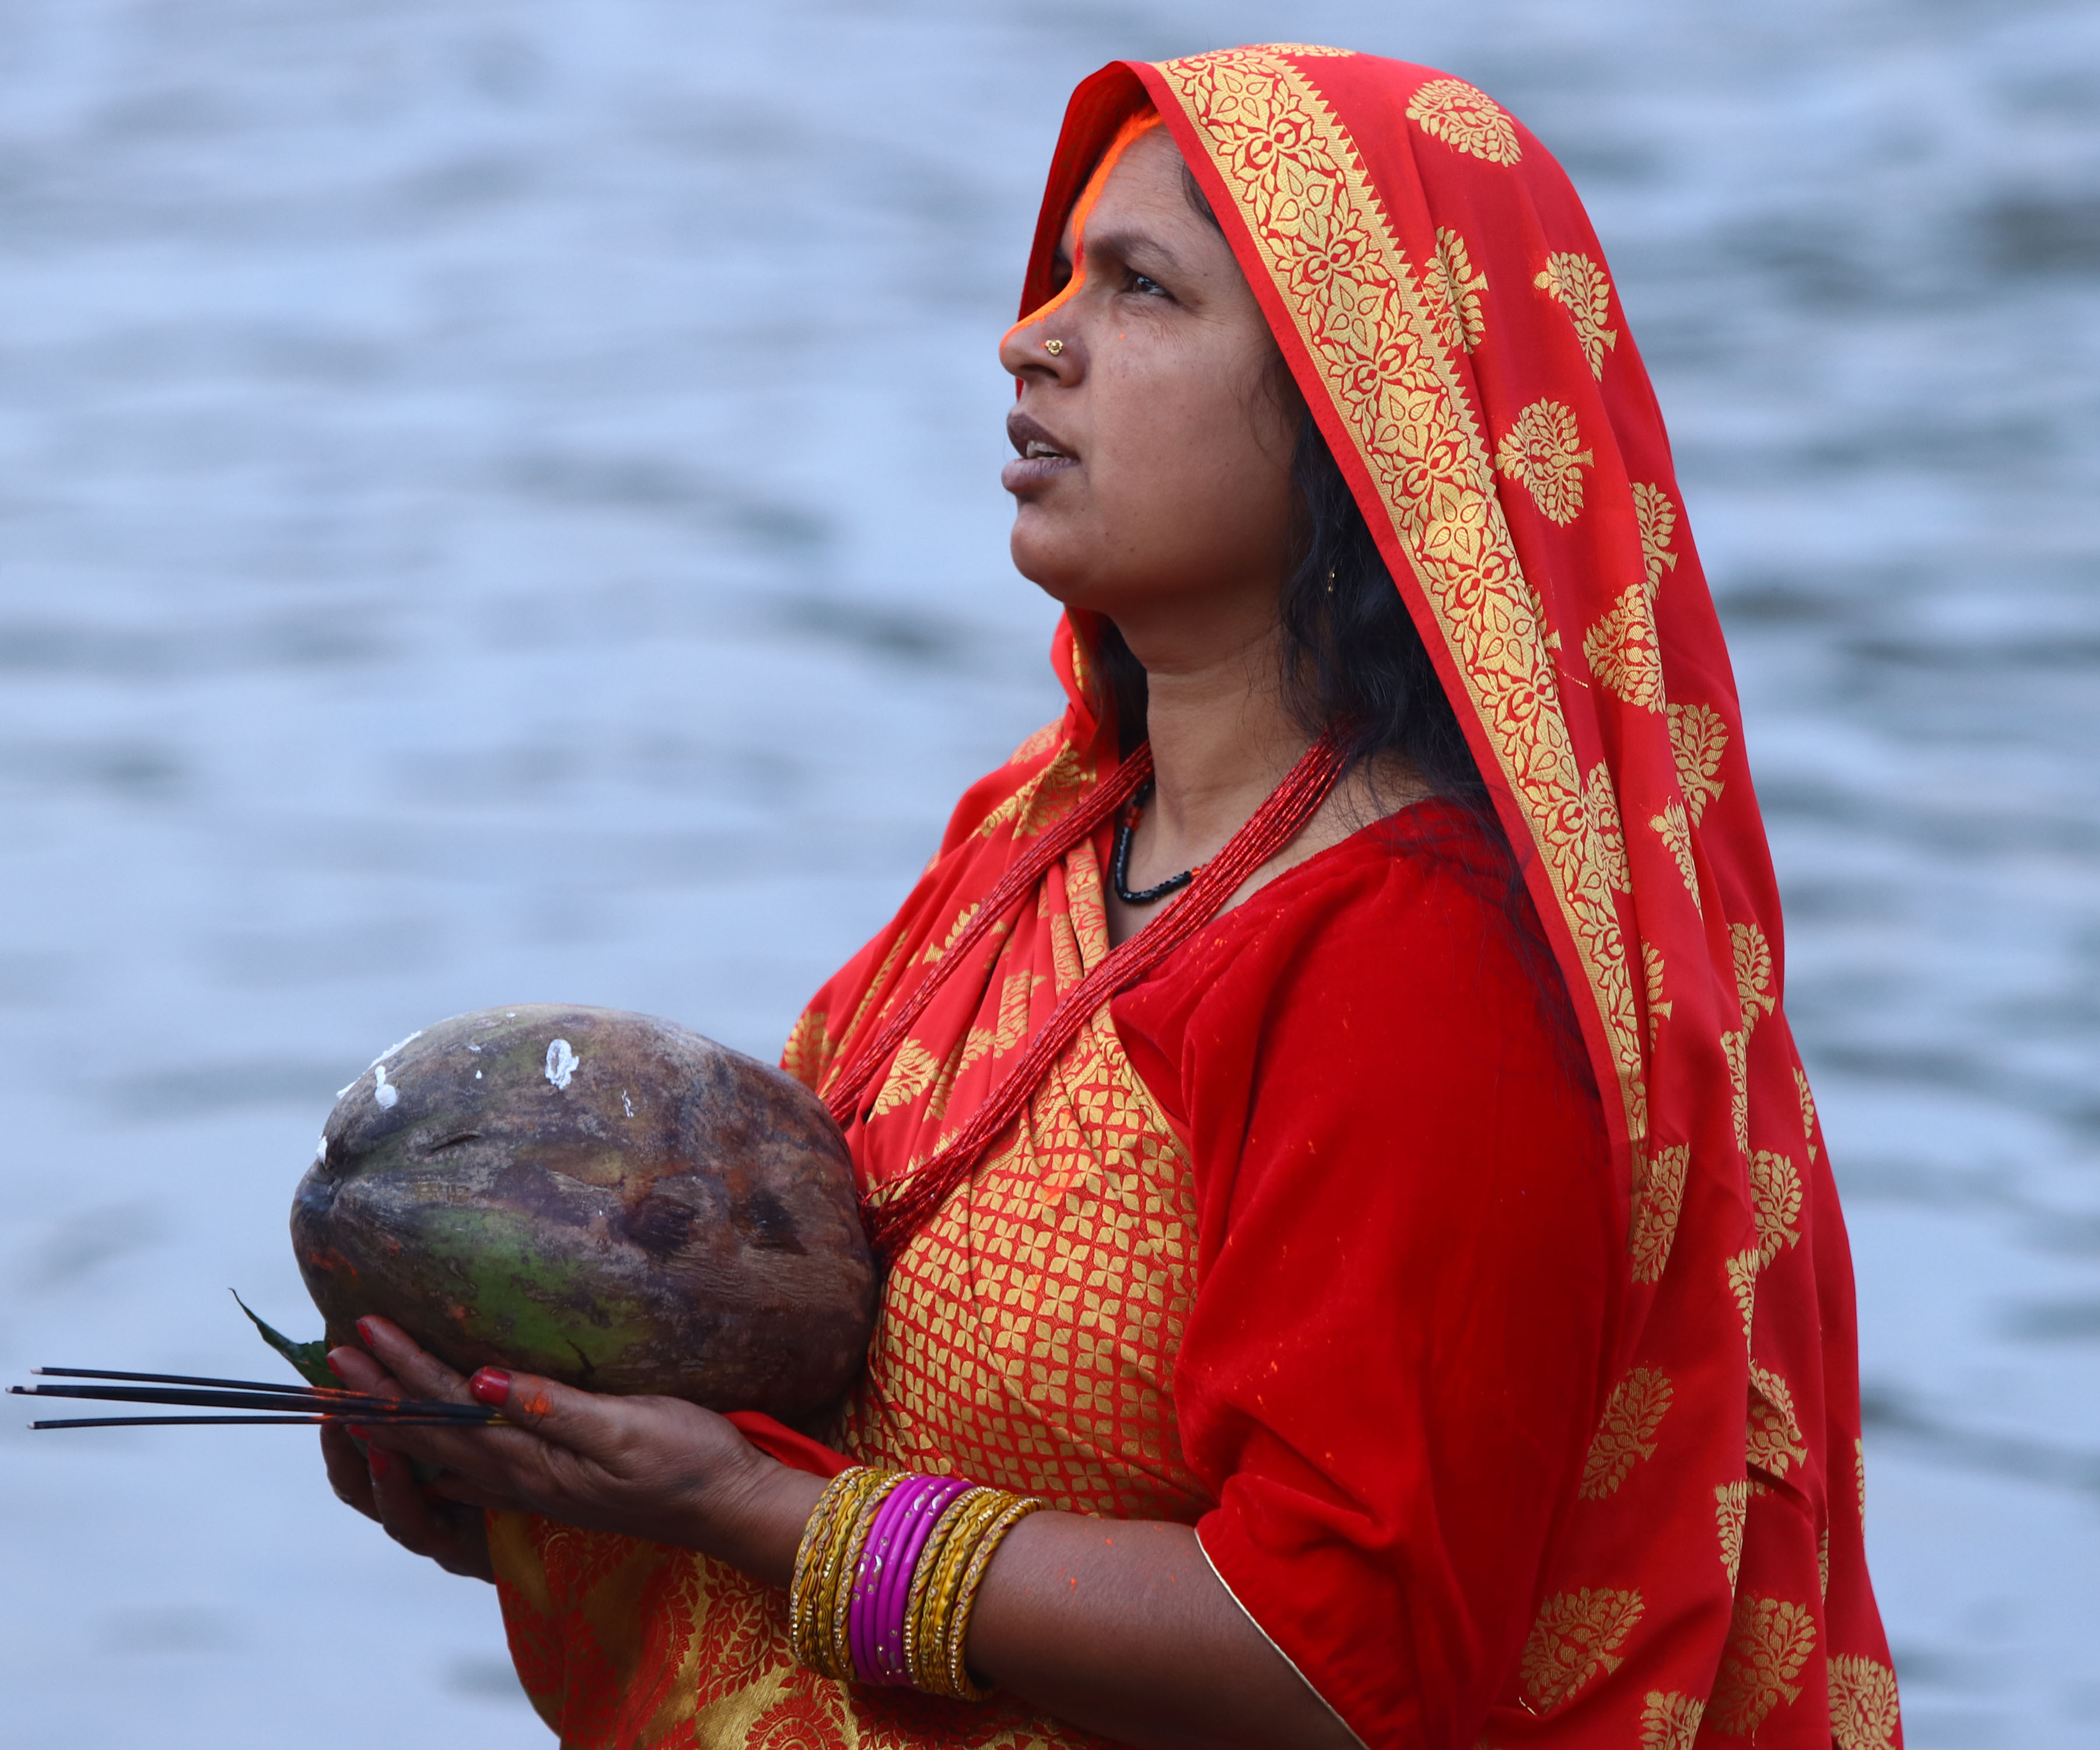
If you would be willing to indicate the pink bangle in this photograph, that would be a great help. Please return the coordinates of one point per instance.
(868, 1576)
(895, 1540)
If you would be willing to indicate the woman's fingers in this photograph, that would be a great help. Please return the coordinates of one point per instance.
(421, 1374)
(452, 1536)
(348, 1474)
(583, 1421)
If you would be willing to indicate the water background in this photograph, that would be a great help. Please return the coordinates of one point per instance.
(497, 502)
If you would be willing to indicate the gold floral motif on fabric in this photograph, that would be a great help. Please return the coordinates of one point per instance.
(911, 1072)
(1773, 1440)
(1675, 831)
(1543, 452)
(1732, 1511)
(1657, 519)
(1306, 51)
(1369, 328)
(1699, 742)
(1622, 652)
(1864, 1714)
(1045, 799)
(1466, 117)
(1743, 1284)
(1735, 1052)
(1608, 836)
(1582, 285)
(1669, 1720)
(1038, 743)
(1776, 1196)
(1659, 1008)
(1454, 289)
(809, 1049)
(1807, 1109)
(1769, 1640)
(1578, 1635)
(1656, 1205)
(1626, 1432)
(1754, 971)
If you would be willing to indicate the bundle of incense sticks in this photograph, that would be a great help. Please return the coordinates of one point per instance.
(290, 1405)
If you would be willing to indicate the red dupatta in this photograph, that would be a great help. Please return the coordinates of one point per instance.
(1443, 303)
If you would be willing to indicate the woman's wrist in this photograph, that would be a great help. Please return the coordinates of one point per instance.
(752, 1517)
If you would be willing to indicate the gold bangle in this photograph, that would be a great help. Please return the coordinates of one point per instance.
(1018, 1508)
(827, 1553)
(809, 1557)
(929, 1669)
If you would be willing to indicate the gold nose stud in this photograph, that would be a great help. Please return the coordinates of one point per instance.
(1053, 347)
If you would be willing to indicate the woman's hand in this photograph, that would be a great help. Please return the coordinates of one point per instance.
(658, 1468)
(382, 1486)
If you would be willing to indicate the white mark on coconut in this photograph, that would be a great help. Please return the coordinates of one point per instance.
(627, 1103)
(477, 1075)
(475, 1049)
(510, 1014)
(383, 1090)
(320, 1148)
(560, 1063)
(390, 1050)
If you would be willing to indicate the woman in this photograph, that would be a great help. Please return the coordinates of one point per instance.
(1326, 1106)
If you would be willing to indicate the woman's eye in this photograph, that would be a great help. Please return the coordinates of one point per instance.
(1148, 287)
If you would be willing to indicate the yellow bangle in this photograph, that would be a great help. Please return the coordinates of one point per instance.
(823, 1563)
(1018, 1508)
(944, 1574)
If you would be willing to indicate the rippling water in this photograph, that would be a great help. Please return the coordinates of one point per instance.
(497, 501)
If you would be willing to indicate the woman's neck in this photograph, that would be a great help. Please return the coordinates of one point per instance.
(1224, 737)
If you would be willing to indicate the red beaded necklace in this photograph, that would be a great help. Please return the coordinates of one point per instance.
(894, 1212)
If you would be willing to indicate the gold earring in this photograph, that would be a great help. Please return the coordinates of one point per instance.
(1330, 579)
(1053, 347)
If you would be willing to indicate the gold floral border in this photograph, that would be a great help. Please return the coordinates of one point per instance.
(1378, 336)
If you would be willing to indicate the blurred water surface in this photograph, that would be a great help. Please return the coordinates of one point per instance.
(497, 501)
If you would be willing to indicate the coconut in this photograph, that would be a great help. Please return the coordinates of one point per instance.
(605, 1198)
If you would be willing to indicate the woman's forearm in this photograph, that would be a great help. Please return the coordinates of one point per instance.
(1118, 1626)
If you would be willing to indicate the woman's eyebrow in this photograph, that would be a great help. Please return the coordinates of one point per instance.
(1129, 245)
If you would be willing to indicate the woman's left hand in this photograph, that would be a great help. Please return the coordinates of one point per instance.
(657, 1468)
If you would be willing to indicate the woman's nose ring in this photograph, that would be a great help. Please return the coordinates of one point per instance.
(1053, 347)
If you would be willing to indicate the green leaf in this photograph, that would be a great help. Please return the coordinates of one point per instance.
(309, 1359)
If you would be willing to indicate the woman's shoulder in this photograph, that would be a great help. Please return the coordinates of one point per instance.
(1423, 914)
(1437, 870)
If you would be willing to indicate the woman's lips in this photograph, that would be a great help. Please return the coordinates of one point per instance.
(1042, 456)
(1025, 474)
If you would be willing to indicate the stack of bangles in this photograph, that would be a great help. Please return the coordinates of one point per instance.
(888, 1574)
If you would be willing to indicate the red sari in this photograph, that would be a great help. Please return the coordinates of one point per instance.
(1468, 1272)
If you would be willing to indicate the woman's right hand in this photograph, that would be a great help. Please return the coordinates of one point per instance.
(382, 1486)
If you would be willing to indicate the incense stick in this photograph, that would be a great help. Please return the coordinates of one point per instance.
(342, 1405)
(256, 1421)
(184, 1379)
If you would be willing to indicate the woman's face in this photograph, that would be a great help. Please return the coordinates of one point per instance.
(1152, 478)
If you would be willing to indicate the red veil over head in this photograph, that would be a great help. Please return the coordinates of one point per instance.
(1445, 307)
(1435, 288)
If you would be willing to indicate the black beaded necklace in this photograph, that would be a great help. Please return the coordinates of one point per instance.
(1119, 865)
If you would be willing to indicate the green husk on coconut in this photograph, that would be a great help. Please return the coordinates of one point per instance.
(605, 1198)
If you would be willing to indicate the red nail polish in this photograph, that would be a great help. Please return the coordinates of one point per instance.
(365, 1330)
(382, 1460)
(491, 1385)
(330, 1358)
